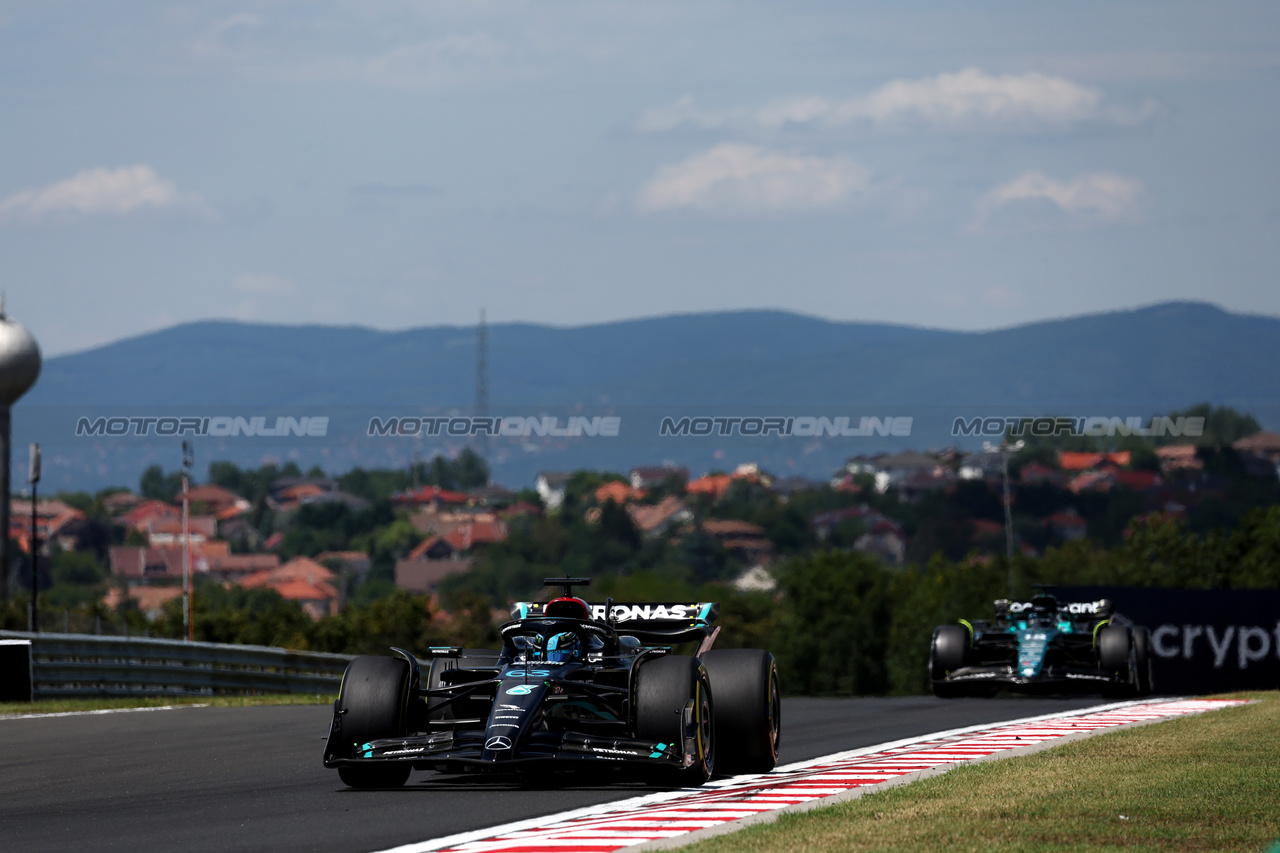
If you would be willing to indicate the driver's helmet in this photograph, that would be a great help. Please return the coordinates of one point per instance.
(564, 646)
(1044, 608)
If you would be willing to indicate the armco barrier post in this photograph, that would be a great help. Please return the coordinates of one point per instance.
(15, 671)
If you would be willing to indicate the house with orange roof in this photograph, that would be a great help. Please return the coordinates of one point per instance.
(1067, 525)
(1092, 481)
(233, 567)
(430, 495)
(1179, 457)
(218, 501)
(56, 522)
(1265, 444)
(147, 563)
(142, 515)
(657, 519)
(714, 485)
(166, 532)
(303, 580)
(619, 492)
(356, 562)
(1078, 461)
(744, 540)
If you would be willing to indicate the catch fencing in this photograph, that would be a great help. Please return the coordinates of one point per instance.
(74, 665)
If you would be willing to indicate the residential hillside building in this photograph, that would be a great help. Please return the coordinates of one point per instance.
(221, 503)
(652, 476)
(550, 486)
(303, 580)
(655, 520)
(57, 524)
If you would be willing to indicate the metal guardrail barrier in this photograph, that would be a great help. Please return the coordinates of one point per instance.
(89, 665)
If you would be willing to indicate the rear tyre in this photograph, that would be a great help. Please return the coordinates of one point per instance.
(1116, 655)
(1142, 652)
(673, 704)
(373, 702)
(467, 708)
(748, 710)
(949, 651)
(1114, 645)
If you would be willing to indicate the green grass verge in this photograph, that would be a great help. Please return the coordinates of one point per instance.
(56, 706)
(1205, 782)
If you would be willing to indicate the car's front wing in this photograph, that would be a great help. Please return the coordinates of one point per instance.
(463, 749)
(1059, 676)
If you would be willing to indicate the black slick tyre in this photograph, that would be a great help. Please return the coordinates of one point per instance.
(748, 709)
(1114, 645)
(1116, 655)
(469, 658)
(947, 653)
(673, 706)
(373, 702)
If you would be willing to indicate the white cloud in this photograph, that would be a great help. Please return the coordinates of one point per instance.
(733, 178)
(973, 96)
(682, 112)
(100, 192)
(263, 283)
(1103, 197)
(969, 99)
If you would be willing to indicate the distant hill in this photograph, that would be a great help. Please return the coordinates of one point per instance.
(1165, 355)
(1145, 360)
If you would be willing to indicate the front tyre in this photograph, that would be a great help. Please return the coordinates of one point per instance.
(673, 706)
(1116, 654)
(748, 709)
(372, 703)
(947, 653)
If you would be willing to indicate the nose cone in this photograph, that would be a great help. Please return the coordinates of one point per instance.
(19, 360)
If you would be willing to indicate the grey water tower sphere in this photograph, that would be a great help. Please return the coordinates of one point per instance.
(19, 360)
(19, 368)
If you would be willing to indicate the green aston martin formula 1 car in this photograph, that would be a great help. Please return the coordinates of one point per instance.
(1044, 646)
(574, 686)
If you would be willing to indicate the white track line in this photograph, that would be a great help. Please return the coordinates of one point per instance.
(674, 818)
(96, 713)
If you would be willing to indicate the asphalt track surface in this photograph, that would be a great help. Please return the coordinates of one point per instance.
(217, 779)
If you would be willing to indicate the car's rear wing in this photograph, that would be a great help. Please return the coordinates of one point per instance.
(630, 614)
(1101, 608)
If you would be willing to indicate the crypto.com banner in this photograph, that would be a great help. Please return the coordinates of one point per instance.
(1203, 640)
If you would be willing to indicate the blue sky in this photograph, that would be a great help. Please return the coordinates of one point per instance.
(398, 164)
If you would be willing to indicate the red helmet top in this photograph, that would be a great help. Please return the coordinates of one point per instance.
(567, 606)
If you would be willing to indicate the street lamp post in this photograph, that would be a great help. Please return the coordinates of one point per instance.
(188, 458)
(33, 477)
(1005, 449)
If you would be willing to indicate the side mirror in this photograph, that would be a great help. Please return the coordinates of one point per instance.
(1002, 607)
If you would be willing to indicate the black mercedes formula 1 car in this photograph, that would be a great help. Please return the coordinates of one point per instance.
(574, 686)
(1044, 646)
